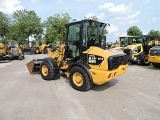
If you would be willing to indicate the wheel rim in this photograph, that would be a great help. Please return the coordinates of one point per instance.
(44, 70)
(37, 50)
(146, 60)
(77, 79)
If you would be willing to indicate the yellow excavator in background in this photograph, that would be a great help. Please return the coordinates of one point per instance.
(154, 53)
(82, 57)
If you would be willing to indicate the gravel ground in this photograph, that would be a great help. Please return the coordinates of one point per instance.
(134, 95)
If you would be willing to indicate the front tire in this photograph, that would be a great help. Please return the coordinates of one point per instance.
(46, 71)
(145, 61)
(79, 79)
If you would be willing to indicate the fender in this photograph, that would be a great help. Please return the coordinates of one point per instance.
(83, 66)
(53, 64)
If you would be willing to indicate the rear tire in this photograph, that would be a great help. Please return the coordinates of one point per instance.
(156, 65)
(46, 71)
(79, 79)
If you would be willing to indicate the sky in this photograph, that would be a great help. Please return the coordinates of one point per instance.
(120, 14)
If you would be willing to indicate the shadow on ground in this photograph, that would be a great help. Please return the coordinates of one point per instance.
(151, 67)
(105, 86)
(96, 87)
(57, 77)
(6, 61)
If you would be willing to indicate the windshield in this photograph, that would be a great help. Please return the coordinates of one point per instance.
(92, 33)
(125, 41)
(13, 44)
(138, 40)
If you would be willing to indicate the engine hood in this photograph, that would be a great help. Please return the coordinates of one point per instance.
(103, 53)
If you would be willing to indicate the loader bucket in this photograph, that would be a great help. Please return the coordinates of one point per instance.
(28, 51)
(34, 65)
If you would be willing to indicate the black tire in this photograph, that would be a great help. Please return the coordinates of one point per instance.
(156, 65)
(45, 50)
(11, 58)
(36, 50)
(144, 61)
(49, 75)
(84, 84)
(21, 57)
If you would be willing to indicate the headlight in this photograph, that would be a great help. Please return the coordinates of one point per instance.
(135, 58)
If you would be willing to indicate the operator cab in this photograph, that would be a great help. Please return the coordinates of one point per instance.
(82, 35)
(13, 44)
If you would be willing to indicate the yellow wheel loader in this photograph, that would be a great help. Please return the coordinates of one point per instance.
(124, 41)
(3, 54)
(15, 50)
(154, 54)
(2, 51)
(82, 57)
(38, 49)
(139, 48)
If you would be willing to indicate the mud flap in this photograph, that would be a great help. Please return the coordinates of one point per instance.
(34, 65)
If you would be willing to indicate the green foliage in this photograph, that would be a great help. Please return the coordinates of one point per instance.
(25, 23)
(154, 32)
(4, 24)
(33, 42)
(134, 31)
(91, 18)
(55, 23)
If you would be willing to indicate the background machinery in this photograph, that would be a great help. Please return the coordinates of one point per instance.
(82, 57)
(3, 55)
(139, 48)
(124, 41)
(40, 48)
(15, 50)
(2, 51)
(154, 53)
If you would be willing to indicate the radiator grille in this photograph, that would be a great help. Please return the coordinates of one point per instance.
(117, 60)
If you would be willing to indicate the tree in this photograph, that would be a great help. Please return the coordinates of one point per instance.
(154, 32)
(25, 24)
(92, 18)
(4, 24)
(54, 24)
(134, 31)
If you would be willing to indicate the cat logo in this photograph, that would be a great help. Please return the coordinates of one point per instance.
(92, 61)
